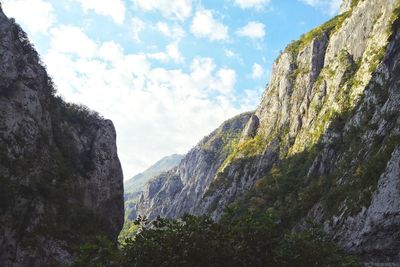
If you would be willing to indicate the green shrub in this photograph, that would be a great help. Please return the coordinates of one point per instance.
(100, 253)
(354, 3)
(327, 28)
(129, 231)
(198, 241)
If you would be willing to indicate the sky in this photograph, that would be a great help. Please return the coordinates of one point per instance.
(166, 72)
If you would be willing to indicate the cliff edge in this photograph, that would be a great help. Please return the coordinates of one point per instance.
(61, 179)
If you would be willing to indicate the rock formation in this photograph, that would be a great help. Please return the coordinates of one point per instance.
(60, 176)
(134, 186)
(326, 145)
(180, 190)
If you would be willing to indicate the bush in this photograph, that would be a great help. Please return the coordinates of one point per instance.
(327, 28)
(101, 253)
(199, 241)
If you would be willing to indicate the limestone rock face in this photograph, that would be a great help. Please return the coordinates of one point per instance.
(181, 190)
(251, 128)
(345, 6)
(312, 82)
(333, 101)
(60, 176)
(134, 186)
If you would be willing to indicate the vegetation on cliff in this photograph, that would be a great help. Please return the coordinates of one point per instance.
(49, 159)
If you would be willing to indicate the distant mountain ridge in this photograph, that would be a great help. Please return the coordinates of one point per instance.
(135, 186)
(137, 182)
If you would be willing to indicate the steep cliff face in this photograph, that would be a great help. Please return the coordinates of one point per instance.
(60, 176)
(317, 80)
(324, 142)
(179, 191)
(136, 183)
(133, 188)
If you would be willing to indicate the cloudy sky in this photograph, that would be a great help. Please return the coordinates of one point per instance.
(166, 72)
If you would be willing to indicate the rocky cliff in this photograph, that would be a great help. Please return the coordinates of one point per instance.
(180, 190)
(133, 188)
(322, 146)
(60, 176)
(134, 185)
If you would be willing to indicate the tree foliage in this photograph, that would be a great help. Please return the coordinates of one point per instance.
(199, 241)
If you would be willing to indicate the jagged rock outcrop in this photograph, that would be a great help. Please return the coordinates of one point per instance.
(251, 128)
(60, 176)
(327, 144)
(179, 191)
(133, 188)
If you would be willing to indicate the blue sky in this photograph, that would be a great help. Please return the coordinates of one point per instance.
(167, 72)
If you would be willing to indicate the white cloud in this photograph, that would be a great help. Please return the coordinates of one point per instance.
(110, 51)
(253, 30)
(176, 9)
(202, 68)
(229, 53)
(137, 27)
(204, 25)
(257, 71)
(252, 97)
(329, 6)
(233, 55)
(156, 111)
(226, 81)
(72, 40)
(113, 8)
(175, 32)
(171, 53)
(163, 28)
(37, 16)
(160, 56)
(223, 82)
(174, 53)
(258, 4)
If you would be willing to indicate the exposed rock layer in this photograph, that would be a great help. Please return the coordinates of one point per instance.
(60, 176)
(134, 186)
(332, 103)
(180, 190)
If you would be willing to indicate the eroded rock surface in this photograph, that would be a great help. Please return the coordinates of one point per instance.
(60, 176)
(181, 189)
(332, 106)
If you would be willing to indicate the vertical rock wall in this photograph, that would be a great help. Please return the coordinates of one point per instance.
(60, 176)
